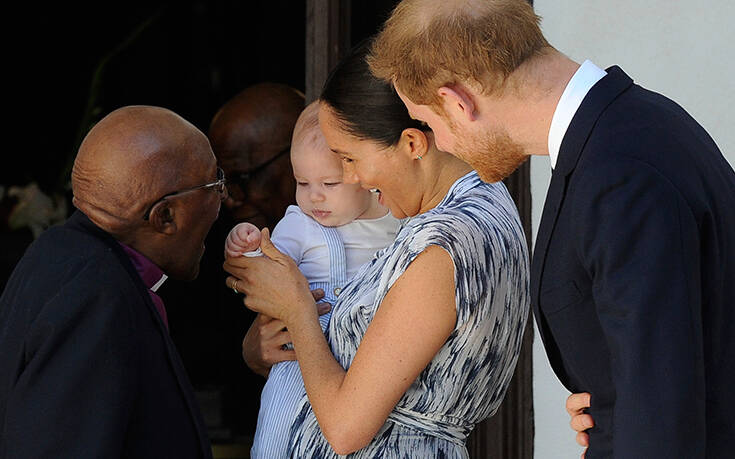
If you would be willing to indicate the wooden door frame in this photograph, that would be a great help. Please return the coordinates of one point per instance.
(327, 40)
(509, 433)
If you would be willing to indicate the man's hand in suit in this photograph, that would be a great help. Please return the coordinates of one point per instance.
(580, 421)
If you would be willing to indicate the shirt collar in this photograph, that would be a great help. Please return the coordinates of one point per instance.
(152, 276)
(582, 81)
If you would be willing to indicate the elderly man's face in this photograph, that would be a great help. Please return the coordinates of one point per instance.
(199, 210)
(260, 185)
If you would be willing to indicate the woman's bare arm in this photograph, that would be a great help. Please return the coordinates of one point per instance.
(412, 323)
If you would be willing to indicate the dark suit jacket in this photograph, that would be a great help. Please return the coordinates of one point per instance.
(87, 368)
(633, 276)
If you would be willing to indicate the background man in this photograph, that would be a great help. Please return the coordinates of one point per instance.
(251, 137)
(88, 368)
(630, 289)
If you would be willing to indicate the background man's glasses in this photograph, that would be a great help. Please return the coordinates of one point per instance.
(243, 178)
(218, 186)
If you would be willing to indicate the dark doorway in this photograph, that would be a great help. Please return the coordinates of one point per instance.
(76, 63)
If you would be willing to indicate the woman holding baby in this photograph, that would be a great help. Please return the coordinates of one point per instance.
(423, 340)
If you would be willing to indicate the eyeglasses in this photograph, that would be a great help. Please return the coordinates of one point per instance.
(243, 178)
(218, 186)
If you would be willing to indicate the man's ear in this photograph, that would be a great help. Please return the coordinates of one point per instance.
(162, 217)
(459, 101)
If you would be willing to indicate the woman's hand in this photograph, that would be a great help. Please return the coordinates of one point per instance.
(262, 346)
(272, 284)
(580, 421)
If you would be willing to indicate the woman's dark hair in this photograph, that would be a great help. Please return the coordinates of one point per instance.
(367, 107)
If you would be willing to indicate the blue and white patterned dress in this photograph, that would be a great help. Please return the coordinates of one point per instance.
(478, 225)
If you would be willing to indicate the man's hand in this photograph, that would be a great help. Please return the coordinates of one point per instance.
(263, 344)
(580, 421)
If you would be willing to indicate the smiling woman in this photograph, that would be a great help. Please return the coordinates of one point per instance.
(385, 169)
(430, 329)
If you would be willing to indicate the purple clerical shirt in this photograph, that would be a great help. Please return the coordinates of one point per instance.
(152, 277)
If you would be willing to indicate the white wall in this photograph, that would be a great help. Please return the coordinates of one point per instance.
(682, 49)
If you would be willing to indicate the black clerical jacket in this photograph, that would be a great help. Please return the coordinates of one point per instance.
(87, 368)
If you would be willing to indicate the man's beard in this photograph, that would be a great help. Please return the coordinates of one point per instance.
(494, 156)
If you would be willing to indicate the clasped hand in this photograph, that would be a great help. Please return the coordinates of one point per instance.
(580, 420)
(272, 284)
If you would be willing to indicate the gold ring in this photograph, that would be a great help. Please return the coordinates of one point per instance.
(234, 285)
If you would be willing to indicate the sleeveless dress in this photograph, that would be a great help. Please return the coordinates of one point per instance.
(280, 398)
(478, 225)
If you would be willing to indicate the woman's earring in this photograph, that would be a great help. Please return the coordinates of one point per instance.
(419, 156)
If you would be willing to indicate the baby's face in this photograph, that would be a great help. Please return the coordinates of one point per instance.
(320, 192)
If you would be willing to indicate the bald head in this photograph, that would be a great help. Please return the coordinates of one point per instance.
(250, 136)
(129, 159)
(256, 122)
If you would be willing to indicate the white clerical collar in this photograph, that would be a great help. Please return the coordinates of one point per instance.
(584, 78)
(160, 282)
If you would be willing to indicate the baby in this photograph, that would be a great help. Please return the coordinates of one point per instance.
(333, 231)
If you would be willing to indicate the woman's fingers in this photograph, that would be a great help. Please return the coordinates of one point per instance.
(284, 354)
(317, 293)
(272, 328)
(233, 283)
(323, 308)
(273, 336)
(263, 343)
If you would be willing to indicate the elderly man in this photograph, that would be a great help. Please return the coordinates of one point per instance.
(630, 284)
(87, 367)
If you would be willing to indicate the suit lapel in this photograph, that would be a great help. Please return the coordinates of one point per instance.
(173, 356)
(553, 200)
(602, 94)
(181, 376)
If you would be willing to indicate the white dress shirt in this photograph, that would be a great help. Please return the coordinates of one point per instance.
(582, 81)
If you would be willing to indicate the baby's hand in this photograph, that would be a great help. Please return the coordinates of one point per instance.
(244, 237)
